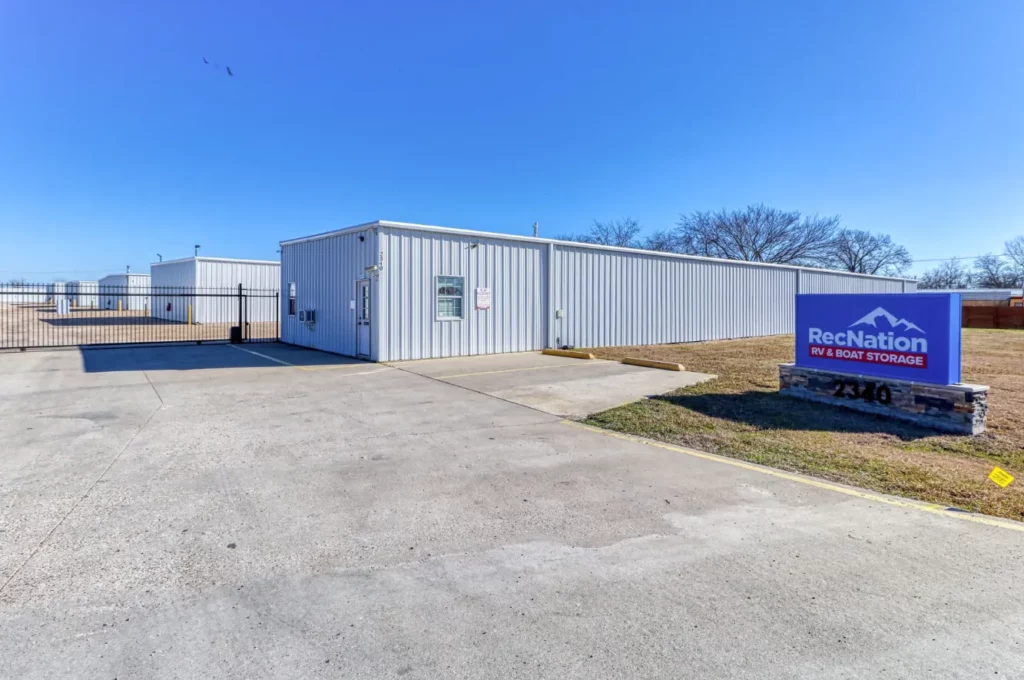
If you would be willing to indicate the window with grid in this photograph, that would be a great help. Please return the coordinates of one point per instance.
(291, 299)
(449, 297)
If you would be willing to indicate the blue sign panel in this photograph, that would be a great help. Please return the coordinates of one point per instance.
(912, 336)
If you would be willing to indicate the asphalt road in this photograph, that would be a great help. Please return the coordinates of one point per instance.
(204, 512)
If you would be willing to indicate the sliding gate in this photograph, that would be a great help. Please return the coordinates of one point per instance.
(57, 315)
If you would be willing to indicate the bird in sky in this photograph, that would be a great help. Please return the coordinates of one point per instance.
(229, 71)
(204, 61)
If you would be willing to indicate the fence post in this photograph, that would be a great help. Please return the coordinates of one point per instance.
(240, 327)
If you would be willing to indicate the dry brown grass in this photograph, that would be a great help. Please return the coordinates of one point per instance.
(741, 415)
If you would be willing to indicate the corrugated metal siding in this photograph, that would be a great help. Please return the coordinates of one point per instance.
(980, 295)
(172, 286)
(224, 276)
(22, 294)
(611, 298)
(514, 272)
(83, 293)
(325, 272)
(132, 290)
(828, 282)
(606, 297)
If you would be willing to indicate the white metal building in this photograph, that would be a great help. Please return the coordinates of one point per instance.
(55, 290)
(1002, 296)
(390, 291)
(210, 286)
(83, 293)
(130, 290)
(24, 293)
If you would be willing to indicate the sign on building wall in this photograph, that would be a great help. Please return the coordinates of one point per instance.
(483, 298)
(914, 336)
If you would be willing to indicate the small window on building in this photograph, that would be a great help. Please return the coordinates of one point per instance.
(449, 297)
(291, 299)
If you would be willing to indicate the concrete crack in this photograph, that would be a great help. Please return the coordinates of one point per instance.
(85, 495)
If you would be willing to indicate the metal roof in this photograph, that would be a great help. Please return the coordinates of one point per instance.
(213, 259)
(575, 244)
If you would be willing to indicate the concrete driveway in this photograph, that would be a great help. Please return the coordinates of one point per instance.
(208, 512)
(572, 388)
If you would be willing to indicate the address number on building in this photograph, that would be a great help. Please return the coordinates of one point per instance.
(868, 391)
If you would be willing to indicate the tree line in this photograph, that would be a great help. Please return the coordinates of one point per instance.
(761, 233)
(1005, 270)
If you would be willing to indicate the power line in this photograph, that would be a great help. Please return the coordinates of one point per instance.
(947, 259)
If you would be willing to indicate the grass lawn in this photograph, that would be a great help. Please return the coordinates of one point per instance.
(741, 415)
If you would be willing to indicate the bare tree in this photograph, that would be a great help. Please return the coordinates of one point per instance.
(947, 275)
(622, 232)
(665, 241)
(991, 271)
(1014, 250)
(758, 234)
(866, 253)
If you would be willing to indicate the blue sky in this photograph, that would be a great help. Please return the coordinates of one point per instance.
(117, 142)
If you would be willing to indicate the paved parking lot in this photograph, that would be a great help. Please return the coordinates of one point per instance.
(561, 386)
(208, 512)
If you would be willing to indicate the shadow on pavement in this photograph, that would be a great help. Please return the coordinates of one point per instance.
(193, 357)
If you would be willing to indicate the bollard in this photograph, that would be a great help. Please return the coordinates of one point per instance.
(119, 304)
(190, 315)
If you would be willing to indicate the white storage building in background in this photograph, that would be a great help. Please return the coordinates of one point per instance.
(210, 286)
(24, 293)
(391, 291)
(998, 296)
(55, 290)
(83, 293)
(130, 290)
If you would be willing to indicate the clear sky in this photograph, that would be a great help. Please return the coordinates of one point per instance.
(117, 142)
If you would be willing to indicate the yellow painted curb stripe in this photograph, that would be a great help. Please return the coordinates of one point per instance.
(572, 354)
(664, 365)
(933, 508)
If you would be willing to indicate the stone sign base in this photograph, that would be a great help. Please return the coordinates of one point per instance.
(951, 408)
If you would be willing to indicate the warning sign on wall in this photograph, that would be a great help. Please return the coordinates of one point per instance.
(483, 298)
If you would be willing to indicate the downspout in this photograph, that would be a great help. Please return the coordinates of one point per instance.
(549, 315)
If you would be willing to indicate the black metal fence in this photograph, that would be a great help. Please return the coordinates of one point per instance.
(83, 313)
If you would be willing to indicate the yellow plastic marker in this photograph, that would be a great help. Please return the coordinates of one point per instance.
(1000, 477)
(190, 315)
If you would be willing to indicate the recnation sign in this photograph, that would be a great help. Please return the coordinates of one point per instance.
(912, 336)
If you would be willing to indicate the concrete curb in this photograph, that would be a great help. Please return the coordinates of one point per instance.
(663, 365)
(572, 354)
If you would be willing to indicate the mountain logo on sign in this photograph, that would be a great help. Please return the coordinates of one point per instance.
(871, 319)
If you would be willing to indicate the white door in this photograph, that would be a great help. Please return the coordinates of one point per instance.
(363, 318)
